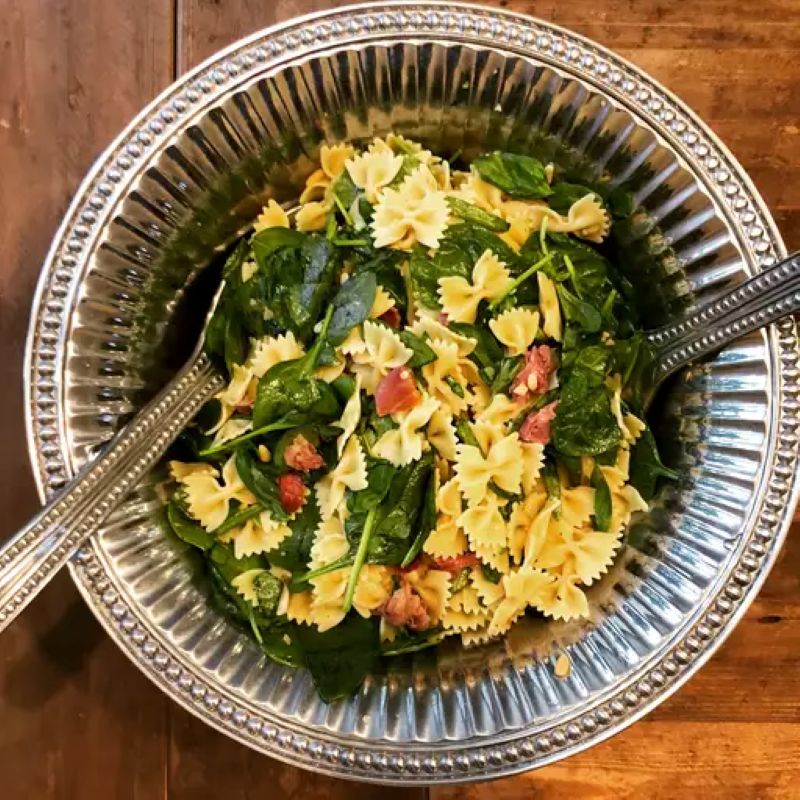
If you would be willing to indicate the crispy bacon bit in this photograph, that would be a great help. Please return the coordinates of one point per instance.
(454, 564)
(302, 455)
(536, 427)
(534, 377)
(292, 491)
(396, 392)
(406, 609)
(443, 318)
(391, 317)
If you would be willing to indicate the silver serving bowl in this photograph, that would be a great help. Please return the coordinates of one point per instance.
(193, 169)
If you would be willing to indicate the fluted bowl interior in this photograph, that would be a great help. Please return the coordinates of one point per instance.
(196, 180)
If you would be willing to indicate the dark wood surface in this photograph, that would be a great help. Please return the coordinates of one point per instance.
(77, 720)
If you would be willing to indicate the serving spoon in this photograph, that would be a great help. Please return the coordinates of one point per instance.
(30, 558)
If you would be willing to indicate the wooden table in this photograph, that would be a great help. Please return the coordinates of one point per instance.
(76, 719)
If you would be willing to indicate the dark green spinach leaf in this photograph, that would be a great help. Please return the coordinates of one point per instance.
(602, 501)
(474, 215)
(351, 305)
(646, 466)
(517, 175)
(188, 530)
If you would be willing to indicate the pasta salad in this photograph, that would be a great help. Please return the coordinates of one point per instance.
(433, 422)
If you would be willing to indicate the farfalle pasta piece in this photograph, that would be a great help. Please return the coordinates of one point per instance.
(383, 351)
(475, 638)
(502, 464)
(312, 216)
(532, 463)
(467, 600)
(487, 434)
(479, 192)
(549, 307)
(538, 530)
(298, 609)
(630, 426)
(351, 415)
(349, 473)
(489, 592)
(583, 553)
(446, 540)
(587, 218)
(416, 211)
(462, 621)
(516, 329)
(382, 303)
(271, 350)
(496, 559)
(433, 586)
(563, 599)
(484, 525)
(577, 506)
(271, 216)
(373, 170)
(522, 588)
(178, 470)
(208, 501)
(519, 522)
(316, 188)
(442, 433)
(330, 543)
(448, 499)
(460, 298)
(333, 157)
(258, 536)
(244, 583)
(444, 371)
(501, 409)
(402, 445)
(232, 429)
(426, 324)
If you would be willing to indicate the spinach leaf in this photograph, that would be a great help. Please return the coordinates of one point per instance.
(339, 659)
(427, 522)
(579, 312)
(422, 353)
(516, 175)
(228, 566)
(281, 644)
(465, 433)
(344, 193)
(237, 517)
(407, 642)
(491, 574)
(584, 423)
(298, 270)
(646, 466)
(294, 552)
(384, 264)
(351, 305)
(188, 530)
(551, 481)
(635, 361)
(602, 501)
(474, 215)
(260, 479)
(379, 479)
(226, 337)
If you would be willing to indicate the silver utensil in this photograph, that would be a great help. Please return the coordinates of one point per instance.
(33, 555)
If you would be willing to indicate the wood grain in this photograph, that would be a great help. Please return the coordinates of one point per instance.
(76, 719)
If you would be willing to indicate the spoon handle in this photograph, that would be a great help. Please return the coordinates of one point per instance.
(759, 301)
(34, 554)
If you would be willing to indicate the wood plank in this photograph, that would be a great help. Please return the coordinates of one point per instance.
(78, 720)
(205, 765)
(663, 761)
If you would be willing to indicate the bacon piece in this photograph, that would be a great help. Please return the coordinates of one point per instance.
(534, 377)
(442, 318)
(454, 564)
(292, 491)
(302, 455)
(536, 427)
(406, 609)
(396, 392)
(391, 317)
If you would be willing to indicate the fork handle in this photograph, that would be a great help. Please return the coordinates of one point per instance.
(753, 304)
(30, 558)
